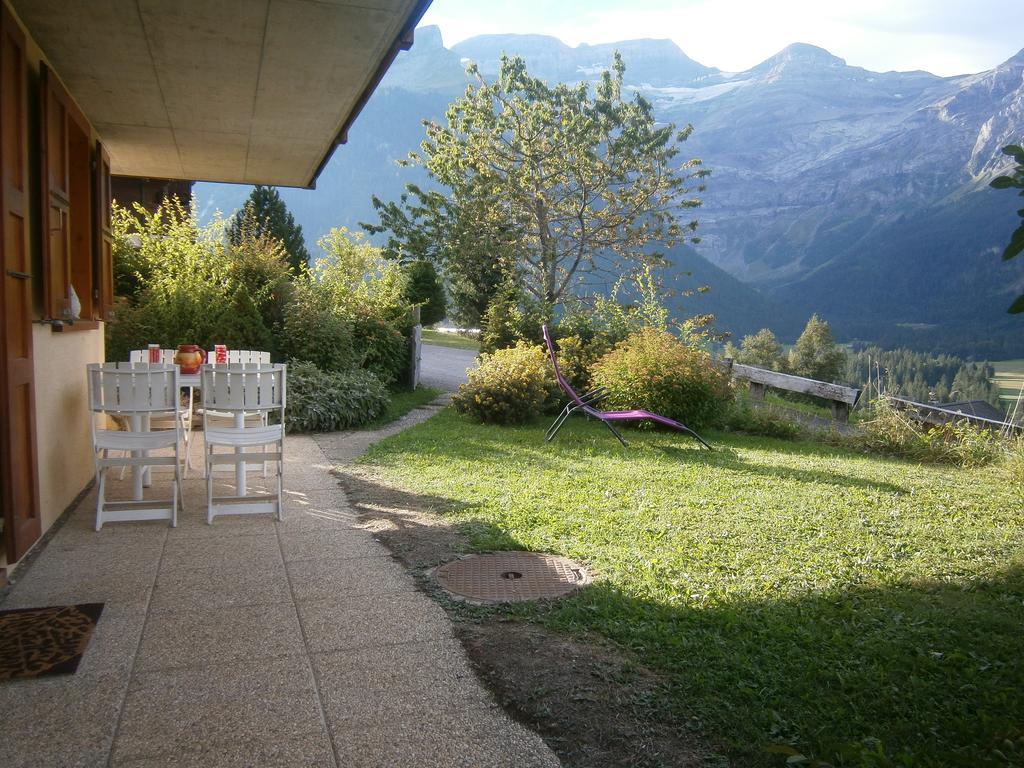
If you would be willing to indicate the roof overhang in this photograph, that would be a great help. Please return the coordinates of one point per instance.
(247, 91)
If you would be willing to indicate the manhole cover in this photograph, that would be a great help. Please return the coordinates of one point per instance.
(500, 577)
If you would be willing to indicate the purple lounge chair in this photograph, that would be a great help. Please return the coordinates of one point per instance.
(585, 404)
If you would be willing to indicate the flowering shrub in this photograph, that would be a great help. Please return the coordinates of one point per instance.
(511, 386)
(653, 370)
(576, 357)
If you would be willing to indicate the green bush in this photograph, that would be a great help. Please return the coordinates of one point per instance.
(511, 317)
(180, 284)
(327, 401)
(653, 370)
(892, 432)
(314, 331)
(511, 386)
(381, 348)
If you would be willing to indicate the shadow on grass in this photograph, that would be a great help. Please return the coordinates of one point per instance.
(729, 459)
(926, 673)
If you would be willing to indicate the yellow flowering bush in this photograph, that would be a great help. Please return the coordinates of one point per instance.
(511, 386)
(654, 370)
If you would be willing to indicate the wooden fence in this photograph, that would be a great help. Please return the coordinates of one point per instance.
(935, 416)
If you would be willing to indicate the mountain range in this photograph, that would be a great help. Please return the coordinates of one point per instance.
(861, 196)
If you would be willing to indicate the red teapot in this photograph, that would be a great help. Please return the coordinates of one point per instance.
(189, 358)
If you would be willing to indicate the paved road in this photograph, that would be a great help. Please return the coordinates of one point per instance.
(445, 367)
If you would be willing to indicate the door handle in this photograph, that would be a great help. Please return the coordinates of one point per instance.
(19, 275)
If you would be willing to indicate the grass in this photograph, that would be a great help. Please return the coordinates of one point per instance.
(402, 402)
(863, 611)
(456, 340)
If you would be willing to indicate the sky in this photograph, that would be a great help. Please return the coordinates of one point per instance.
(945, 37)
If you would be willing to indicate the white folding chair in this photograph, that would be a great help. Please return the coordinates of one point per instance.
(167, 358)
(238, 357)
(135, 392)
(240, 391)
(242, 357)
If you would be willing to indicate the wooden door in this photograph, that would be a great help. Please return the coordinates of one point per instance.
(19, 483)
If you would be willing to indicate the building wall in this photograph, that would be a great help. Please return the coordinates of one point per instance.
(62, 416)
(61, 393)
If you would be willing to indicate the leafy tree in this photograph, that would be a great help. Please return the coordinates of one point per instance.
(266, 214)
(477, 256)
(761, 349)
(568, 182)
(1014, 180)
(815, 355)
(423, 286)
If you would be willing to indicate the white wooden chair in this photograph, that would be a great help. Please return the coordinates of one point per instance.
(186, 413)
(241, 391)
(134, 392)
(242, 356)
(238, 357)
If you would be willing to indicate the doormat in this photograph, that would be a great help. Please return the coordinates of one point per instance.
(35, 642)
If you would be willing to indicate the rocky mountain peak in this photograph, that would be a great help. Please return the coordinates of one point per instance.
(800, 59)
(429, 37)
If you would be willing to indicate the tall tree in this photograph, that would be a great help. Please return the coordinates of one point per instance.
(761, 349)
(815, 354)
(571, 182)
(474, 255)
(266, 214)
(1011, 181)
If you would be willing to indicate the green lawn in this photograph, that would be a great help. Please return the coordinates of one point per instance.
(867, 612)
(401, 403)
(442, 339)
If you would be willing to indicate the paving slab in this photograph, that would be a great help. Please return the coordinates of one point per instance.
(211, 635)
(252, 642)
(351, 577)
(366, 622)
(253, 702)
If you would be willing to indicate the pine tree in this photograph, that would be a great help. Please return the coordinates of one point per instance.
(424, 287)
(816, 355)
(267, 214)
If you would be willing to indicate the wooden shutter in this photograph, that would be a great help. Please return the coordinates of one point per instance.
(19, 483)
(103, 248)
(54, 106)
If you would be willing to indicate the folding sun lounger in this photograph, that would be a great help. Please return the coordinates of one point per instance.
(585, 405)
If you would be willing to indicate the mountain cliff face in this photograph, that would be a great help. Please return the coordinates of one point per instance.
(858, 195)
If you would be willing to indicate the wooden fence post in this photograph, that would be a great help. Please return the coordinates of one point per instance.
(415, 349)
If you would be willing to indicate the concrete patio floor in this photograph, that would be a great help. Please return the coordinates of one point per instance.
(252, 643)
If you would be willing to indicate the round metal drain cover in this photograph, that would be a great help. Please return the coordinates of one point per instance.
(500, 577)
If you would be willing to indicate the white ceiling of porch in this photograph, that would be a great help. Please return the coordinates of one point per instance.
(249, 91)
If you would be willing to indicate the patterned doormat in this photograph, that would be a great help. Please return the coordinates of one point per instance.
(45, 641)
